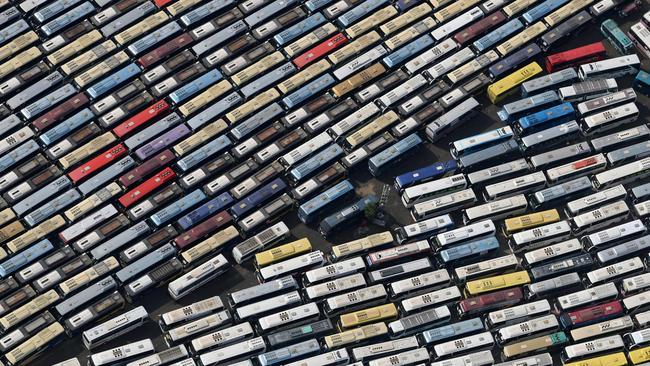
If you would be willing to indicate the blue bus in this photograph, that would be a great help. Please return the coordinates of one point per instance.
(616, 37)
(425, 174)
(487, 41)
(547, 118)
(314, 163)
(346, 216)
(309, 211)
(541, 10)
(257, 198)
(23, 258)
(393, 154)
(221, 202)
